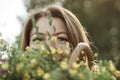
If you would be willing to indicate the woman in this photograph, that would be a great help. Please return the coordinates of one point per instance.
(67, 29)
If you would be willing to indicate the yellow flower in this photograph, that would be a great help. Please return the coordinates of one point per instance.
(53, 39)
(82, 52)
(19, 66)
(5, 66)
(48, 52)
(33, 62)
(84, 64)
(113, 69)
(81, 76)
(103, 69)
(42, 47)
(23, 57)
(52, 49)
(64, 65)
(65, 60)
(67, 51)
(46, 76)
(54, 58)
(67, 44)
(40, 71)
(96, 54)
(112, 66)
(26, 76)
(116, 73)
(73, 72)
(75, 65)
(59, 51)
(28, 48)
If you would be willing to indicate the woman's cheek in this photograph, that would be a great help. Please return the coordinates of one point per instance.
(62, 46)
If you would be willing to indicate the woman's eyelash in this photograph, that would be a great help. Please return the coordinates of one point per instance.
(62, 38)
(40, 39)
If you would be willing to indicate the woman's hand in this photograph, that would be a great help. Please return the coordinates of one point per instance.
(77, 51)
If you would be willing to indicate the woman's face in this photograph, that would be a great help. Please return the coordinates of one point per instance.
(44, 27)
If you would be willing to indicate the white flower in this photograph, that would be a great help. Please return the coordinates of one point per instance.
(5, 56)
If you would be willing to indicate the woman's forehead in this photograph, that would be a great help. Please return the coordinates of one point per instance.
(44, 26)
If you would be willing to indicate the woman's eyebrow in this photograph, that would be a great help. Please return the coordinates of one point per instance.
(60, 33)
(38, 33)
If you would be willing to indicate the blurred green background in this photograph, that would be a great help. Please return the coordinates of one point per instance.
(101, 18)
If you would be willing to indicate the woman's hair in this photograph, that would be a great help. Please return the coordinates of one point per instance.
(76, 32)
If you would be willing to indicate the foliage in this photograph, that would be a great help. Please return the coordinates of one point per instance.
(44, 64)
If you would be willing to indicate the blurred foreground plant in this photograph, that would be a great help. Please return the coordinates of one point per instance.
(44, 64)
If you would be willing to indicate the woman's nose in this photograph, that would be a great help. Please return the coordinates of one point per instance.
(49, 43)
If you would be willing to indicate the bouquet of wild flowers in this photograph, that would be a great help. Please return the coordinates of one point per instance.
(45, 64)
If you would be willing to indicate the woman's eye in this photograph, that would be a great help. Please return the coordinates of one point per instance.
(38, 39)
(62, 39)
